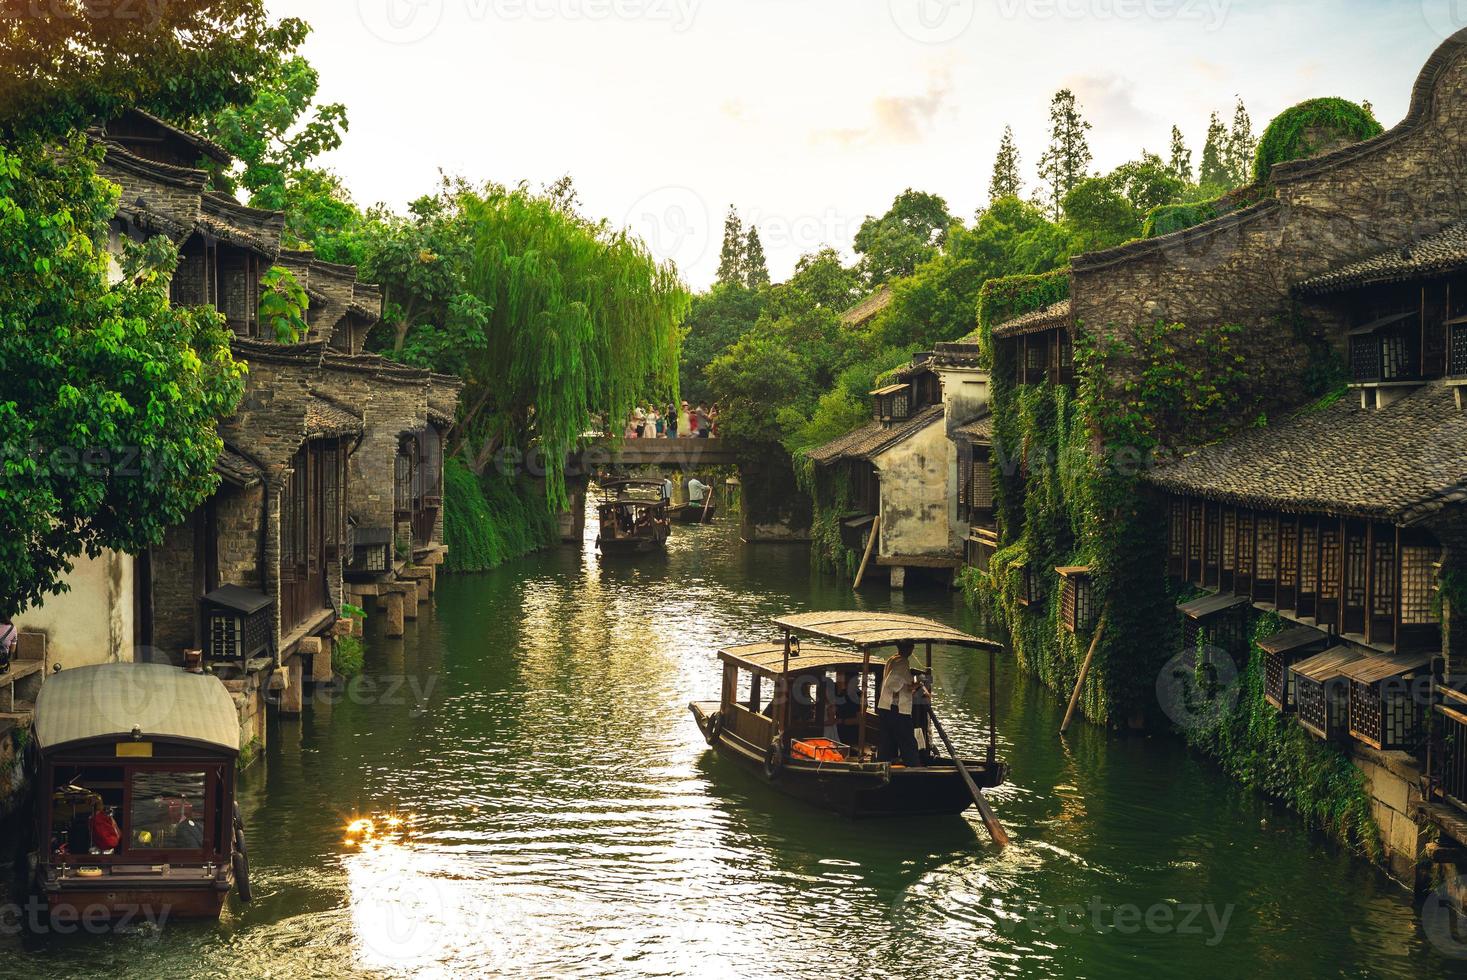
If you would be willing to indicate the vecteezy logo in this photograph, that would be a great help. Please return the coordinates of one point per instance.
(400, 21)
(1198, 688)
(1445, 17)
(675, 224)
(933, 21)
(1445, 927)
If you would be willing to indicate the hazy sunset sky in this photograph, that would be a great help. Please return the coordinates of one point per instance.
(811, 114)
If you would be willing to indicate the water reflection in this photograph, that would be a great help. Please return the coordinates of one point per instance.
(562, 816)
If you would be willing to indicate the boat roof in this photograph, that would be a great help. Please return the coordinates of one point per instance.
(609, 484)
(865, 630)
(768, 658)
(108, 701)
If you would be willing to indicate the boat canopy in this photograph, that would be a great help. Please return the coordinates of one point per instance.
(767, 659)
(150, 702)
(615, 490)
(865, 630)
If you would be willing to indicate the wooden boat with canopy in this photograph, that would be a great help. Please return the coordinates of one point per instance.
(699, 513)
(633, 517)
(787, 739)
(135, 811)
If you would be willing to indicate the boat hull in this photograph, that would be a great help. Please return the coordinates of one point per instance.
(112, 899)
(632, 546)
(692, 514)
(862, 791)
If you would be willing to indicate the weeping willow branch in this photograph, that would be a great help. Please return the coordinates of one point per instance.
(583, 323)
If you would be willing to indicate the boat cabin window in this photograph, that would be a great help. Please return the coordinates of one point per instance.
(78, 794)
(150, 811)
(168, 811)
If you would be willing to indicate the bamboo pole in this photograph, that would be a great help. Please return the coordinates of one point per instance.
(870, 545)
(1084, 672)
(706, 504)
(990, 819)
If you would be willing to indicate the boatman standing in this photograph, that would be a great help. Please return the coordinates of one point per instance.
(697, 491)
(898, 687)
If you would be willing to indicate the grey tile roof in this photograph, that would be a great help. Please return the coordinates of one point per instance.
(1438, 254)
(1397, 463)
(237, 469)
(980, 430)
(874, 439)
(866, 310)
(1049, 318)
(324, 418)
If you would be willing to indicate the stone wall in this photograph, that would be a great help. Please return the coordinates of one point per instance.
(1329, 211)
(1393, 783)
(93, 622)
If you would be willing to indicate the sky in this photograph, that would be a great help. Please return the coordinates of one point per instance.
(809, 115)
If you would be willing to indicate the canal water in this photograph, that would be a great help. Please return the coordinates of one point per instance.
(541, 804)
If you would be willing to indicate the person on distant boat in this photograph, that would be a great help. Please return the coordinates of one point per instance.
(847, 708)
(667, 490)
(894, 708)
(697, 491)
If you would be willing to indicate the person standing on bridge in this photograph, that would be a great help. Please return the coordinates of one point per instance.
(654, 424)
(683, 431)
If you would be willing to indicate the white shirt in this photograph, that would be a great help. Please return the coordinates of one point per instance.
(896, 685)
(696, 491)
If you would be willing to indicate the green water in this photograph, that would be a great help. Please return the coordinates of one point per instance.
(567, 820)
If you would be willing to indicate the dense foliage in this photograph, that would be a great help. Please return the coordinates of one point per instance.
(491, 519)
(1310, 129)
(76, 61)
(109, 397)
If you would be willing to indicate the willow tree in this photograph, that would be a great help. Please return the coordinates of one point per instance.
(582, 323)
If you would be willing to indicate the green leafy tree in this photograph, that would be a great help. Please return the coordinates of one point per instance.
(752, 382)
(910, 233)
(1181, 157)
(283, 304)
(1013, 237)
(581, 322)
(717, 319)
(826, 281)
(110, 396)
(1005, 181)
(1241, 147)
(1213, 176)
(731, 258)
(1099, 216)
(756, 266)
(320, 214)
(277, 134)
(1068, 158)
(82, 60)
(1147, 183)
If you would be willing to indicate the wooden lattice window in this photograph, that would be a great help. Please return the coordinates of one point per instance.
(1267, 548)
(1329, 563)
(1418, 585)
(1036, 356)
(1077, 599)
(1383, 575)
(1355, 572)
(1229, 539)
(1364, 359)
(900, 406)
(1397, 358)
(1308, 558)
(1194, 531)
(1288, 553)
(981, 497)
(1457, 357)
(1244, 581)
(333, 500)
(1177, 530)
(1212, 521)
(1365, 712)
(1389, 714)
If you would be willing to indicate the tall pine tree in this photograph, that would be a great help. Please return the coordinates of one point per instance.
(756, 268)
(1068, 158)
(1214, 175)
(731, 259)
(1242, 147)
(1005, 182)
(1181, 162)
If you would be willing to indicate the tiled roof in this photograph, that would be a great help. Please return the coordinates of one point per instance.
(245, 227)
(1049, 318)
(979, 430)
(236, 469)
(874, 439)
(1444, 252)
(962, 353)
(324, 418)
(1397, 463)
(864, 311)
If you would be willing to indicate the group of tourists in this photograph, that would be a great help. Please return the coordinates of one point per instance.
(686, 422)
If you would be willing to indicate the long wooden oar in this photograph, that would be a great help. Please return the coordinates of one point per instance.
(707, 504)
(995, 829)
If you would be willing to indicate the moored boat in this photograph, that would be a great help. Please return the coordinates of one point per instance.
(788, 742)
(693, 513)
(135, 813)
(633, 515)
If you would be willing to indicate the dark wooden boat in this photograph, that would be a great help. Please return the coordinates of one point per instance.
(785, 741)
(693, 513)
(633, 518)
(154, 748)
